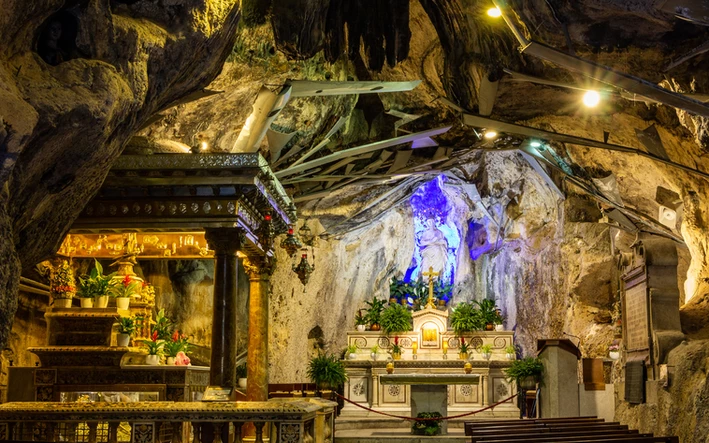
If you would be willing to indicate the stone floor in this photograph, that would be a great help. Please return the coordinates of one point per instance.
(390, 431)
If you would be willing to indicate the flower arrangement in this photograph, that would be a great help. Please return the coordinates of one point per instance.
(154, 345)
(614, 348)
(163, 326)
(395, 348)
(430, 425)
(182, 359)
(96, 284)
(464, 347)
(128, 287)
(61, 281)
(176, 344)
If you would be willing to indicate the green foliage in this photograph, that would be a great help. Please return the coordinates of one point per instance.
(526, 367)
(396, 318)
(510, 349)
(463, 347)
(360, 319)
(154, 346)
(241, 371)
(351, 349)
(163, 326)
(375, 349)
(442, 291)
(466, 318)
(176, 344)
(488, 312)
(327, 371)
(126, 325)
(96, 284)
(486, 349)
(127, 287)
(374, 311)
(427, 427)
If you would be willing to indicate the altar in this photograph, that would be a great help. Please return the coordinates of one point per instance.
(431, 349)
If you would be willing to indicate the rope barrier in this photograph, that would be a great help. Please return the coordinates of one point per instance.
(403, 417)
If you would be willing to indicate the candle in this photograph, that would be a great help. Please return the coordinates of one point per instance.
(445, 347)
(414, 347)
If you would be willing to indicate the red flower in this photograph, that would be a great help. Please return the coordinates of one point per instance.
(176, 335)
(396, 340)
(126, 281)
(144, 284)
(155, 335)
(462, 340)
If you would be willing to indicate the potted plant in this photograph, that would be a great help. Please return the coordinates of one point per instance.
(486, 351)
(614, 351)
(442, 292)
(429, 426)
(396, 349)
(396, 318)
(465, 318)
(351, 352)
(241, 375)
(154, 346)
(327, 371)
(374, 313)
(527, 372)
(360, 321)
(510, 352)
(126, 328)
(176, 344)
(163, 326)
(463, 349)
(124, 290)
(61, 284)
(489, 314)
(374, 352)
(95, 286)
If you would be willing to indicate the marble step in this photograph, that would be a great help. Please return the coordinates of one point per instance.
(396, 435)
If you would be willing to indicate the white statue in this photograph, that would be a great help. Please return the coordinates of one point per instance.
(434, 248)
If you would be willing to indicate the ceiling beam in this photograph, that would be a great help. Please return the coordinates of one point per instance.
(336, 127)
(542, 173)
(306, 88)
(370, 147)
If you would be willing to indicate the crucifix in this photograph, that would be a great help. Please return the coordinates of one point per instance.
(430, 274)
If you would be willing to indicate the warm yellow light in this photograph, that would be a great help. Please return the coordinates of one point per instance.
(490, 135)
(591, 99)
(203, 146)
(494, 12)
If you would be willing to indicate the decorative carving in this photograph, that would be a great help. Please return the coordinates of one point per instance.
(259, 268)
(189, 162)
(394, 390)
(290, 432)
(358, 388)
(224, 240)
(502, 390)
(476, 342)
(466, 390)
(4, 432)
(45, 376)
(405, 342)
(143, 432)
(360, 342)
(44, 393)
(499, 343)
(384, 343)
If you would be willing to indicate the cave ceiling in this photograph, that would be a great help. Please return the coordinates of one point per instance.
(473, 78)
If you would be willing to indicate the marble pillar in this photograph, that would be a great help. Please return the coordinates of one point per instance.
(259, 272)
(225, 242)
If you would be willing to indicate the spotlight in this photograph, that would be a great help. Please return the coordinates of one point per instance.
(490, 135)
(591, 99)
(535, 144)
(203, 146)
(494, 12)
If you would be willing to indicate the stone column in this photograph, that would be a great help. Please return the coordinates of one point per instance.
(225, 242)
(259, 272)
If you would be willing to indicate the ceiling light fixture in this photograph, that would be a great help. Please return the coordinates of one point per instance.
(535, 144)
(591, 99)
(490, 135)
(203, 146)
(494, 12)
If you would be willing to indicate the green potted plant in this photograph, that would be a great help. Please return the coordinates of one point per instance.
(374, 312)
(396, 349)
(430, 426)
(95, 287)
(526, 372)
(327, 371)
(154, 346)
(463, 348)
(442, 292)
(241, 375)
(61, 284)
(360, 321)
(124, 290)
(176, 344)
(486, 351)
(510, 352)
(374, 352)
(126, 328)
(489, 314)
(465, 318)
(351, 351)
(396, 318)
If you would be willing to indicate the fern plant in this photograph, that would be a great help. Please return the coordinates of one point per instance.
(327, 371)
(396, 318)
(466, 318)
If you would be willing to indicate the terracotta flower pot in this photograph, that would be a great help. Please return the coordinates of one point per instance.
(375, 327)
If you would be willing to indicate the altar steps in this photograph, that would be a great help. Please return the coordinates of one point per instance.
(396, 435)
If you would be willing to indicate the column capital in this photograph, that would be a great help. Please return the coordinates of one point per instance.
(225, 240)
(258, 268)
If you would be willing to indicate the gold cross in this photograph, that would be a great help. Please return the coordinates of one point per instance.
(430, 274)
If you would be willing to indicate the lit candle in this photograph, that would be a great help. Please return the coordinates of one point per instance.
(414, 347)
(445, 347)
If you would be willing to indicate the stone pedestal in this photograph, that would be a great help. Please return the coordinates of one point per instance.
(225, 242)
(560, 384)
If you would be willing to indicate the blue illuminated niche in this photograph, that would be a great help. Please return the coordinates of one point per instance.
(435, 231)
